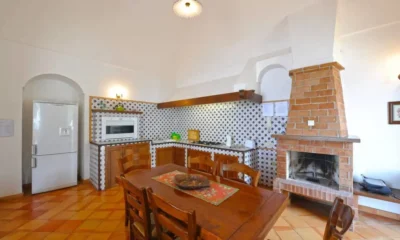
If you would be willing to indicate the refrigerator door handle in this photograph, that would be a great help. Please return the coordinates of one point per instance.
(34, 149)
(34, 163)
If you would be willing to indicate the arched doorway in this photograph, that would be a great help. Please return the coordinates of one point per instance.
(275, 83)
(49, 88)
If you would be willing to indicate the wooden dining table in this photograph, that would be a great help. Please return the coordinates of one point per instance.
(250, 213)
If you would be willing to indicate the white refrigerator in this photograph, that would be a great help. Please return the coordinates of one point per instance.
(54, 146)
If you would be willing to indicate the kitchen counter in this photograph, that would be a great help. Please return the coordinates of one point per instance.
(237, 148)
(122, 141)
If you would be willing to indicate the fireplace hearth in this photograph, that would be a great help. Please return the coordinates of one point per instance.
(322, 169)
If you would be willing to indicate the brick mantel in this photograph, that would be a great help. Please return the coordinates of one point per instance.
(317, 95)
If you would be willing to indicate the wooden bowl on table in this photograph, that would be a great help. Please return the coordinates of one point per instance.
(191, 181)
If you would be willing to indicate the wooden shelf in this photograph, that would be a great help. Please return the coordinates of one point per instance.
(358, 190)
(227, 97)
(115, 111)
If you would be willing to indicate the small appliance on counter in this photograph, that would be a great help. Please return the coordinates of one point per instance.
(229, 141)
(193, 135)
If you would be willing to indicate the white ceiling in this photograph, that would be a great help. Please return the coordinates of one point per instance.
(146, 35)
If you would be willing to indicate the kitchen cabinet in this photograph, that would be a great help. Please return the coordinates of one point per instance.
(226, 159)
(165, 155)
(196, 153)
(180, 156)
(139, 154)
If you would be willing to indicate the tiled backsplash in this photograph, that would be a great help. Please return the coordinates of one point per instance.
(242, 120)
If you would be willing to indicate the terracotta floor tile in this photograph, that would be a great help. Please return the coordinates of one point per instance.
(81, 215)
(69, 226)
(107, 226)
(14, 214)
(12, 206)
(93, 206)
(57, 236)
(2, 234)
(296, 222)
(272, 236)
(88, 225)
(308, 233)
(8, 226)
(50, 226)
(32, 225)
(79, 236)
(99, 236)
(99, 215)
(30, 215)
(117, 215)
(122, 236)
(289, 235)
(15, 236)
(64, 215)
(36, 235)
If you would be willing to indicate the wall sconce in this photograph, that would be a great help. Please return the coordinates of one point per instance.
(117, 92)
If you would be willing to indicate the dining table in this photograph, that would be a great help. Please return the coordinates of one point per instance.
(249, 213)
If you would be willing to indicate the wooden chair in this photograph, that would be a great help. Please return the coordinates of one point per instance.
(126, 165)
(139, 212)
(241, 168)
(341, 215)
(172, 222)
(203, 164)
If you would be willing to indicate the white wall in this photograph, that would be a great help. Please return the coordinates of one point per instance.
(365, 46)
(276, 84)
(19, 63)
(52, 88)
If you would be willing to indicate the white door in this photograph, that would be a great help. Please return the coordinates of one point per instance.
(55, 128)
(53, 172)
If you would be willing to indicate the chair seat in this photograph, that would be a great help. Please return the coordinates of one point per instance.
(140, 228)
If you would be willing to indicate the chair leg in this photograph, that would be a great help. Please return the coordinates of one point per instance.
(126, 217)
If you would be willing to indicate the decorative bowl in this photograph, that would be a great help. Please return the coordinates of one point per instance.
(191, 181)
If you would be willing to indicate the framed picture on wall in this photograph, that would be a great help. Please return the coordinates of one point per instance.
(394, 112)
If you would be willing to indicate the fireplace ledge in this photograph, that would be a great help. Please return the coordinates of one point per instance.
(351, 139)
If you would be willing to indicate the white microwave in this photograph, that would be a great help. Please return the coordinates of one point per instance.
(119, 127)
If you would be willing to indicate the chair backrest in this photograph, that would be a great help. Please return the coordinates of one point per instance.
(241, 168)
(341, 215)
(170, 219)
(127, 164)
(138, 210)
(203, 163)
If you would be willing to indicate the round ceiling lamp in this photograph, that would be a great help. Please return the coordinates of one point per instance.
(187, 8)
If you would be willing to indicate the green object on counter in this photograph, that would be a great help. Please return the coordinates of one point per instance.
(120, 108)
(175, 136)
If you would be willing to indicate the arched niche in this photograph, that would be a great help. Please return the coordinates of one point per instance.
(50, 88)
(275, 83)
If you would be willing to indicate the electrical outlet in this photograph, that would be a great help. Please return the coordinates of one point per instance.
(311, 123)
(269, 144)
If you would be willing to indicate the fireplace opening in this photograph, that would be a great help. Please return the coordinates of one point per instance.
(322, 169)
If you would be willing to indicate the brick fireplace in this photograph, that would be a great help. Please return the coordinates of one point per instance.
(316, 95)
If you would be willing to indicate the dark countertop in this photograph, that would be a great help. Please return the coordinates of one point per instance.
(122, 141)
(237, 148)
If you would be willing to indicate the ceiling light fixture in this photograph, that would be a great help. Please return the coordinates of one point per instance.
(187, 8)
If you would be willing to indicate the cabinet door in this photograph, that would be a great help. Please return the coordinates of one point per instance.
(226, 159)
(165, 156)
(113, 154)
(180, 158)
(195, 153)
(140, 154)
